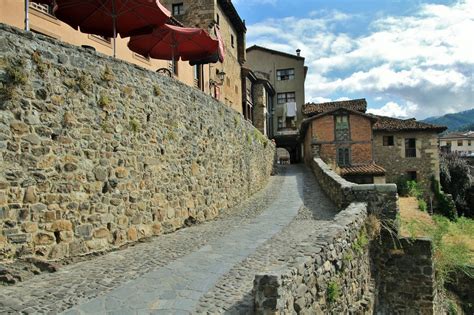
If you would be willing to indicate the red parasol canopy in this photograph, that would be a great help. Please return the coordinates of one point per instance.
(101, 17)
(170, 42)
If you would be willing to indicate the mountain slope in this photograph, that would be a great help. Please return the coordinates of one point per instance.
(455, 121)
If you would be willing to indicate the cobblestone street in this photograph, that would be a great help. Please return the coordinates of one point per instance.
(207, 268)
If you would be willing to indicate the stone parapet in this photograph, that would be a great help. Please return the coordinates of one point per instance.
(96, 152)
(381, 199)
(332, 275)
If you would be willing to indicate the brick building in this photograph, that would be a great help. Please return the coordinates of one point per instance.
(222, 80)
(340, 133)
(342, 137)
(407, 148)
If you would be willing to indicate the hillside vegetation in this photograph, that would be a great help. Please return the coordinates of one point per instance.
(462, 121)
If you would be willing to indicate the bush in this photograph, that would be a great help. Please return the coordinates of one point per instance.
(402, 186)
(422, 205)
(446, 205)
(456, 180)
(414, 190)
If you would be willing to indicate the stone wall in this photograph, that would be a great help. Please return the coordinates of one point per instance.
(402, 270)
(406, 277)
(332, 276)
(96, 152)
(392, 158)
(381, 199)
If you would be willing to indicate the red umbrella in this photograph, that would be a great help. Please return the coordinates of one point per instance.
(170, 42)
(215, 57)
(111, 17)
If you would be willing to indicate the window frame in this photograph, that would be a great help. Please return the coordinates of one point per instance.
(286, 98)
(346, 156)
(285, 74)
(388, 141)
(410, 151)
(177, 9)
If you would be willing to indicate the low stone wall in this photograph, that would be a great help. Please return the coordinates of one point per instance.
(403, 270)
(332, 276)
(381, 199)
(406, 277)
(96, 152)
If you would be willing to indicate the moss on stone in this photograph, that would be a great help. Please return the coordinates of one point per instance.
(135, 125)
(41, 65)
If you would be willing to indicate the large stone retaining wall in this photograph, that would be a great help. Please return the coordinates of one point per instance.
(96, 152)
(332, 276)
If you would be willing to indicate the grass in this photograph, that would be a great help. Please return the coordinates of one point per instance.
(333, 292)
(453, 240)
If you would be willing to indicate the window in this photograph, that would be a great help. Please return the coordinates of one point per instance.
(410, 147)
(47, 9)
(459, 143)
(178, 9)
(343, 156)
(285, 74)
(288, 97)
(232, 40)
(469, 143)
(388, 141)
(342, 127)
(411, 175)
(174, 66)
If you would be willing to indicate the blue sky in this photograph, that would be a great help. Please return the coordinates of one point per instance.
(407, 58)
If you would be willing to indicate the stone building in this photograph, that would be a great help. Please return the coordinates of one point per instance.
(257, 99)
(221, 80)
(287, 74)
(44, 22)
(342, 137)
(408, 149)
(461, 142)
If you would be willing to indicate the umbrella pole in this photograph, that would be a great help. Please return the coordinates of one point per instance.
(114, 19)
(27, 13)
(115, 38)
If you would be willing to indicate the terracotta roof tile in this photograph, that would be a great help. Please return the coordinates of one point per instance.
(395, 124)
(455, 135)
(311, 109)
(368, 169)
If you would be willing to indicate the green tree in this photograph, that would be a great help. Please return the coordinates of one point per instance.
(456, 180)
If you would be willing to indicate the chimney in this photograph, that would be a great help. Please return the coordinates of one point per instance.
(298, 52)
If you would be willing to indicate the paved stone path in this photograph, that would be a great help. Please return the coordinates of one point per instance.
(207, 268)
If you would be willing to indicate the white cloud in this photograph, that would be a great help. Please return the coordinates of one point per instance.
(393, 109)
(425, 59)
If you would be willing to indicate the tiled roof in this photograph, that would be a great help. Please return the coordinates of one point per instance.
(359, 105)
(456, 135)
(395, 124)
(368, 169)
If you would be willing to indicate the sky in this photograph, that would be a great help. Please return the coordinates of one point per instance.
(408, 58)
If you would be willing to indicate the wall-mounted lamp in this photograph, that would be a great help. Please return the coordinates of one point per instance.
(220, 76)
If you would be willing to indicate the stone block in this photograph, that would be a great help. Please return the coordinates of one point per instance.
(102, 233)
(30, 195)
(84, 231)
(61, 225)
(43, 238)
(19, 128)
(132, 234)
(29, 227)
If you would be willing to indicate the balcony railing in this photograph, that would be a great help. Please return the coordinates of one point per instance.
(46, 9)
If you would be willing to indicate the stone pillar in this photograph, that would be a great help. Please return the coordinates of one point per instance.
(315, 148)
